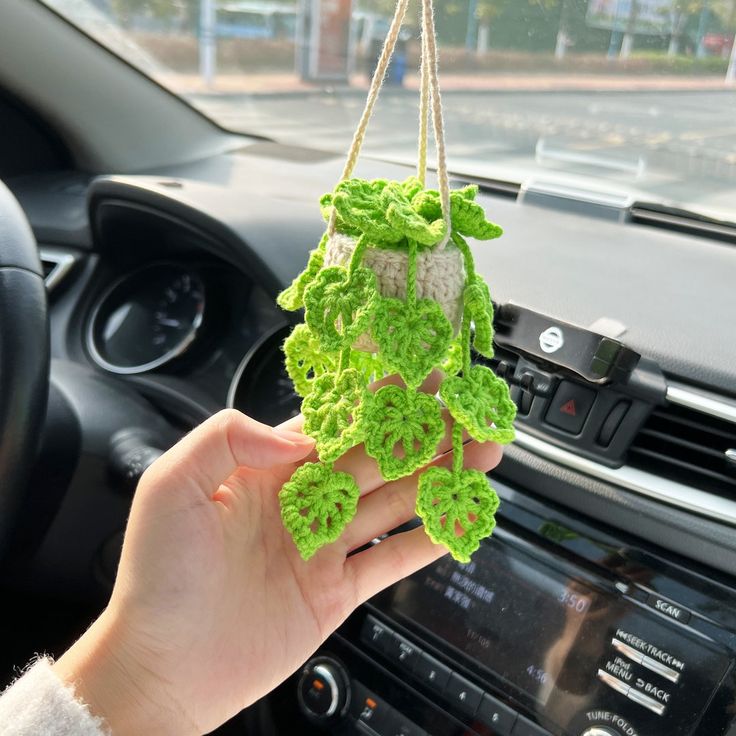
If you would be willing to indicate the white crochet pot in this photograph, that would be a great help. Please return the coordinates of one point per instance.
(440, 276)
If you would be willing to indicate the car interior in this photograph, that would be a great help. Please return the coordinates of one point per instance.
(144, 245)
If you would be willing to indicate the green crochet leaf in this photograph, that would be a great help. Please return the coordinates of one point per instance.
(361, 206)
(316, 505)
(412, 339)
(383, 212)
(480, 401)
(304, 359)
(426, 203)
(478, 306)
(404, 219)
(339, 305)
(457, 510)
(402, 429)
(468, 218)
(325, 204)
(292, 298)
(411, 186)
(329, 412)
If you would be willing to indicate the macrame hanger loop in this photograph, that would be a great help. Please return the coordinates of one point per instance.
(429, 95)
(430, 91)
(378, 78)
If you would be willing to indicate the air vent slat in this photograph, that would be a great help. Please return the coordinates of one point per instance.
(687, 424)
(682, 443)
(687, 446)
(700, 470)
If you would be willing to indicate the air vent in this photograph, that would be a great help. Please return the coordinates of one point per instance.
(56, 264)
(690, 447)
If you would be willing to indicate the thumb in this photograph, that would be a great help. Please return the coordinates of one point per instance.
(212, 452)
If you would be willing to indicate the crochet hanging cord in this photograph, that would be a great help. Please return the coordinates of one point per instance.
(391, 289)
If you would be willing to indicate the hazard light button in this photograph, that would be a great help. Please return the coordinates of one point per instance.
(570, 407)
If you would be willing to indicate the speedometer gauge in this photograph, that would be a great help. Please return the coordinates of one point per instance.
(146, 319)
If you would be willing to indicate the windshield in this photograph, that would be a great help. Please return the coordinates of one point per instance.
(627, 97)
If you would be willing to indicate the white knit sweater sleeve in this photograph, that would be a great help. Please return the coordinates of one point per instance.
(39, 703)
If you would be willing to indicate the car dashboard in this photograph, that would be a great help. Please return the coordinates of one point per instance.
(605, 602)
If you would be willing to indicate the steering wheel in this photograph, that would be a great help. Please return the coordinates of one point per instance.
(24, 357)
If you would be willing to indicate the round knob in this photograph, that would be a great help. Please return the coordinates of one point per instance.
(323, 689)
(599, 731)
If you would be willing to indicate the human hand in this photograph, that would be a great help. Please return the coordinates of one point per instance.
(213, 606)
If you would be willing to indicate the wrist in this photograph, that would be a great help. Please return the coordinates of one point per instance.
(116, 687)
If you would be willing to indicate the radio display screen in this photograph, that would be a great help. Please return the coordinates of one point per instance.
(510, 612)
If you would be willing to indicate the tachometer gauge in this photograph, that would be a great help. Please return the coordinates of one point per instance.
(261, 387)
(147, 319)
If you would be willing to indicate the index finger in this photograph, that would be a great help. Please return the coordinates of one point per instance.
(212, 452)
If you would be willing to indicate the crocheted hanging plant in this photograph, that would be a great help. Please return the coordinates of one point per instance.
(392, 289)
(379, 300)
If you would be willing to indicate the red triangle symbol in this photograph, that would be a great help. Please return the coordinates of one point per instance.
(569, 408)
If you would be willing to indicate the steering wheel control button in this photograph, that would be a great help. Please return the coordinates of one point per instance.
(403, 652)
(672, 610)
(433, 674)
(376, 635)
(612, 422)
(497, 716)
(463, 695)
(322, 690)
(131, 453)
(525, 727)
(613, 682)
(570, 407)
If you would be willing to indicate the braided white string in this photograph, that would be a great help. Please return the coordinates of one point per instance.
(430, 91)
(378, 78)
(437, 121)
(423, 110)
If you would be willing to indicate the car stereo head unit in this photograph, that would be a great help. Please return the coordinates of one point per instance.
(554, 627)
(574, 650)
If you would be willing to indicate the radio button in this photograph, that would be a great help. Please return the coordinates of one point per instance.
(660, 669)
(463, 694)
(433, 674)
(668, 608)
(642, 659)
(613, 682)
(496, 715)
(646, 701)
(376, 635)
(627, 651)
(650, 650)
(403, 652)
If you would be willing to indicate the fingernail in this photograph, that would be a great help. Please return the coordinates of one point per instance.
(296, 438)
